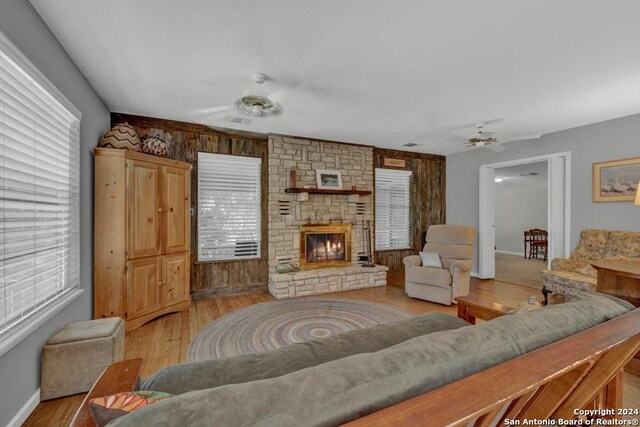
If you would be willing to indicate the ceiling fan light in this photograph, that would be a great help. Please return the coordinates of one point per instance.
(257, 105)
(256, 110)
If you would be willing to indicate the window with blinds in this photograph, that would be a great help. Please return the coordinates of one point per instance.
(228, 207)
(393, 209)
(39, 194)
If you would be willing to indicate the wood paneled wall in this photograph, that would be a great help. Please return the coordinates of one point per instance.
(184, 141)
(427, 194)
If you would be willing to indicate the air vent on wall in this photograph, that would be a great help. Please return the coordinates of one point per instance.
(237, 120)
(360, 208)
(284, 207)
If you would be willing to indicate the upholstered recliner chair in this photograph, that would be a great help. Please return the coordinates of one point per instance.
(454, 245)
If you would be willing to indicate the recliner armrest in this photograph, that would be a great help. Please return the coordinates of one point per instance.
(412, 261)
(462, 265)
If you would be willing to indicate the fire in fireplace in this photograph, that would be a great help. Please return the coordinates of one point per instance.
(325, 245)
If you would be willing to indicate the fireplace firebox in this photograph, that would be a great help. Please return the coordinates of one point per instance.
(325, 245)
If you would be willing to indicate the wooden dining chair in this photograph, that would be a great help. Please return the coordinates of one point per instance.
(539, 243)
(527, 242)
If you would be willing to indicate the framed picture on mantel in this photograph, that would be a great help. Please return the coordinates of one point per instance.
(329, 179)
(616, 180)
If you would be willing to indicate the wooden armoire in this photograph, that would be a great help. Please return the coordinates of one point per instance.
(141, 236)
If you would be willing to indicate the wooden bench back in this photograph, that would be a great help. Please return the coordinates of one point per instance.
(581, 371)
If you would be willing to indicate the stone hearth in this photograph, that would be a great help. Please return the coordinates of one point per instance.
(314, 282)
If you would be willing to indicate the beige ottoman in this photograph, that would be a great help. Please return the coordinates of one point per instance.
(74, 358)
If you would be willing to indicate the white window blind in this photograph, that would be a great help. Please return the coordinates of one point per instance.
(393, 209)
(39, 194)
(228, 207)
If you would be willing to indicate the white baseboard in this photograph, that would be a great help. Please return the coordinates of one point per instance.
(521, 254)
(26, 410)
(474, 274)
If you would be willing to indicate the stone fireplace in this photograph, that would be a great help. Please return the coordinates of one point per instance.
(320, 233)
(325, 246)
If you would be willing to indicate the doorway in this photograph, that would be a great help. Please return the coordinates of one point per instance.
(558, 171)
(521, 199)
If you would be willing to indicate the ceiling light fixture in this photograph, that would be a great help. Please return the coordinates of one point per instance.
(498, 179)
(255, 104)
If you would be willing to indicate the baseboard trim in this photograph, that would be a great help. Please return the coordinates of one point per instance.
(26, 410)
(474, 274)
(510, 253)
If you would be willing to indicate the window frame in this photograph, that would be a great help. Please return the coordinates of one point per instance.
(27, 325)
(260, 253)
(409, 211)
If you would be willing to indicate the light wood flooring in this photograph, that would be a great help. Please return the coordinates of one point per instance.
(518, 270)
(164, 341)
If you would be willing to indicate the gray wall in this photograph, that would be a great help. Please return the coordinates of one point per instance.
(610, 140)
(519, 206)
(19, 368)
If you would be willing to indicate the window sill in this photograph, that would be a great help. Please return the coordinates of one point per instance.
(217, 261)
(13, 337)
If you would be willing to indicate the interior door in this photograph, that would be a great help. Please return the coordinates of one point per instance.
(558, 202)
(176, 189)
(144, 294)
(487, 226)
(175, 282)
(143, 182)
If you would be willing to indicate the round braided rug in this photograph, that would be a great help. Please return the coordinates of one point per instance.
(276, 324)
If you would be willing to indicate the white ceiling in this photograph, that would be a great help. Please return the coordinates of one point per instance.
(377, 72)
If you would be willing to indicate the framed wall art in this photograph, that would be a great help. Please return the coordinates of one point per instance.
(329, 179)
(616, 180)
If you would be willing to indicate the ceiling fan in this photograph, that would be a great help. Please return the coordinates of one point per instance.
(485, 139)
(256, 104)
(295, 103)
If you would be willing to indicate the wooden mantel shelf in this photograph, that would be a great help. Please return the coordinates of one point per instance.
(324, 191)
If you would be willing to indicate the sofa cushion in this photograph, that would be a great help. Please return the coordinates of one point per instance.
(564, 264)
(592, 245)
(567, 282)
(336, 392)
(249, 367)
(623, 244)
(429, 276)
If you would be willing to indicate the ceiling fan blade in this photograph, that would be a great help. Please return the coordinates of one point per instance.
(496, 147)
(461, 149)
(484, 134)
(521, 137)
(213, 110)
(494, 121)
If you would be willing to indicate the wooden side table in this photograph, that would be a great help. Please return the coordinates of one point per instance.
(478, 306)
(621, 278)
(474, 306)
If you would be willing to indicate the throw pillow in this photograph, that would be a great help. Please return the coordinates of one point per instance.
(430, 259)
(108, 408)
(529, 304)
